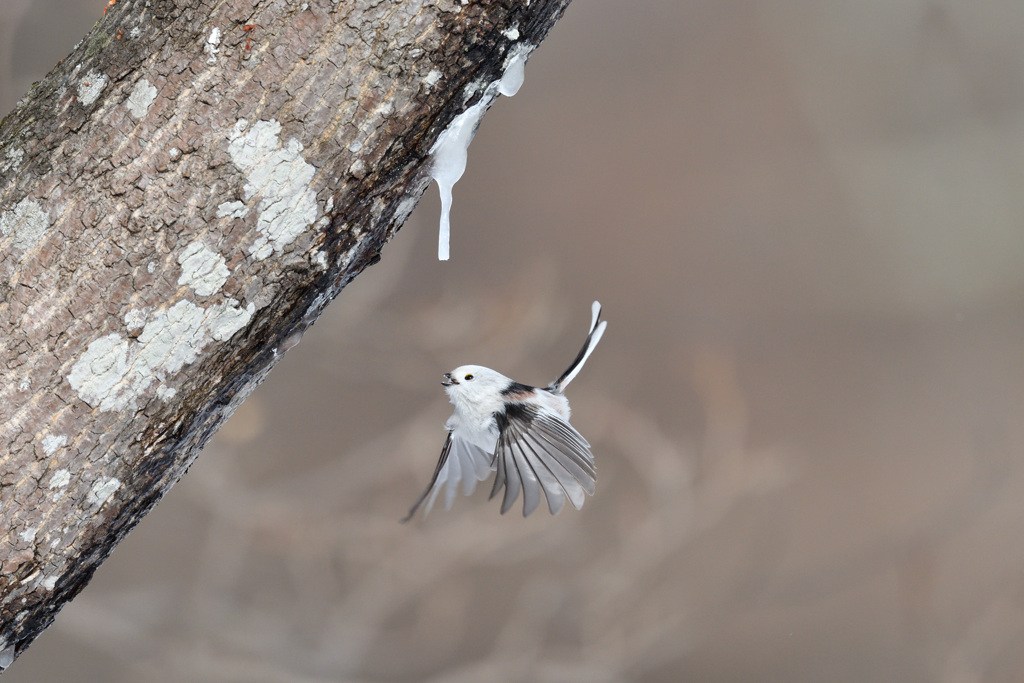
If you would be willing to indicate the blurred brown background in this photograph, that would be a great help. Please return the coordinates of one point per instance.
(805, 221)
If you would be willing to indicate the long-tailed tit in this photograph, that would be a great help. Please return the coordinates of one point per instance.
(521, 432)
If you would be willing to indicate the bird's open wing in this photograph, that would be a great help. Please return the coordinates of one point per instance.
(459, 461)
(538, 451)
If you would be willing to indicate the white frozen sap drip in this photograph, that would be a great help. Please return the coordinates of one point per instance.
(451, 150)
(515, 72)
(444, 233)
(448, 163)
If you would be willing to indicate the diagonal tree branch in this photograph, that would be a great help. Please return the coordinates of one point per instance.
(180, 198)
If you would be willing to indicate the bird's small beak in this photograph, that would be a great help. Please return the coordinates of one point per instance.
(449, 380)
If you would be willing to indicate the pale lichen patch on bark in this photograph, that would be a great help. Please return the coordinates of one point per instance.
(176, 337)
(228, 319)
(96, 374)
(135, 319)
(90, 87)
(165, 393)
(432, 77)
(27, 222)
(202, 269)
(102, 490)
(140, 99)
(173, 339)
(234, 209)
(280, 177)
(12, 159)
(212, 46)
(53, 442)
(113, 373)
(60, 479)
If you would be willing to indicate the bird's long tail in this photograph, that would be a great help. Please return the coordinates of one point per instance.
(596, 330)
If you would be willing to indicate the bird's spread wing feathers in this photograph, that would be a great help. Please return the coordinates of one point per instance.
(460, 461)
(539, 452)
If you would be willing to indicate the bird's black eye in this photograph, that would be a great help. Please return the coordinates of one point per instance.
(469, 377)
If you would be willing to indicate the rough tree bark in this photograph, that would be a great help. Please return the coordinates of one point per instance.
(179, 199)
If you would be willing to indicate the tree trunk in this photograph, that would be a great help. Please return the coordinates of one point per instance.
(179, 199)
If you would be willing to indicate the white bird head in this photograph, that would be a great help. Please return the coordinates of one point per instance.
(474, 384)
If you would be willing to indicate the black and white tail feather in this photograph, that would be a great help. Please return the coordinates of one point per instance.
(521, 433)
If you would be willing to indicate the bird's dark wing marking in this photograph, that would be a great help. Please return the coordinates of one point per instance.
(517, 391)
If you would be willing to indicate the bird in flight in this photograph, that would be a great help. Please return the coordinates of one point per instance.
(521, 433)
